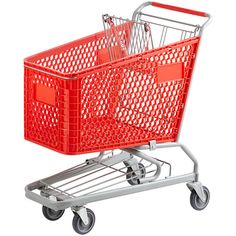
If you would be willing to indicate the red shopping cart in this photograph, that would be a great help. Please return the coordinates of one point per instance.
(123, 88)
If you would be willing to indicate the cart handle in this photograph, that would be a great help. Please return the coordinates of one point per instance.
(170, 7)
(179, 9)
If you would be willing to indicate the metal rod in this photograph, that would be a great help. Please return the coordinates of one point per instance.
(86, 168)
(99, 177)
(93, 172)
(91, 180)
(164, 38)
(69, 182)
(103, 182)
(110, 166)
(94, 185)
(167, 19)
(170, 27)
(111, 185)
(56, 189)
(162, 34)
(167, 163)
(65, 172)
(183, 35)
(106, 35)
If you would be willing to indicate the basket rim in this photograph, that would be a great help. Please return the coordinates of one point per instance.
(28, 63)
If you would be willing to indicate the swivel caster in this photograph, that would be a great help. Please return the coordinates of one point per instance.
(85, 225)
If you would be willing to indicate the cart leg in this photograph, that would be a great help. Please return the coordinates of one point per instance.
(194, 160)
(171, 145)
(195, 187)
(200, 195)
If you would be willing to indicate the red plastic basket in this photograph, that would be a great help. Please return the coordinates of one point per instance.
(75, 104)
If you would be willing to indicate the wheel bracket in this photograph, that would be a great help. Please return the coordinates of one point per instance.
(82, 212)
(197, 186)
(133, 163)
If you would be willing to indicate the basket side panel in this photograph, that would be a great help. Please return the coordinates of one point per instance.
(45, 106)
(138, 100)
(154, 90)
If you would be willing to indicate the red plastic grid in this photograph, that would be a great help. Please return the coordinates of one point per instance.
(99, 107)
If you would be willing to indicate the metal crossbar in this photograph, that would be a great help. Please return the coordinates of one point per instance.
(81, 183)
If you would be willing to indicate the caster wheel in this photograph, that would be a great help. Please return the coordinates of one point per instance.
(132, 178)
(196, 202)
(79, 226)
(52, 215)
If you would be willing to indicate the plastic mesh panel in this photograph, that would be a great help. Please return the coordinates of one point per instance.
(74, 59)
(119, 104)
(42, 119)
(126, 104)
(81, 54)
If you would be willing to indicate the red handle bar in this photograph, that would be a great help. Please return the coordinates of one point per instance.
(179, 9)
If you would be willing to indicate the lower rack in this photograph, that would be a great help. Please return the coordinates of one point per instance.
(107, 176)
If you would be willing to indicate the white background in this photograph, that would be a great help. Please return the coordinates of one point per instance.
(209, 130)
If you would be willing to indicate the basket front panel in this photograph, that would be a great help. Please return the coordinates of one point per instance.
(42, 108)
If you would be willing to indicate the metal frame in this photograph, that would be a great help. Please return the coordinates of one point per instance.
(138, 11)
(65, 201)
(141, 39)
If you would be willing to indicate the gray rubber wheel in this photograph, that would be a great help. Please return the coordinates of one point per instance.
(52, 215)
(196, 202)
(79, 226)
(132, 178)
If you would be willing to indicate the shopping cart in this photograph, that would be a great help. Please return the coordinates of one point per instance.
(123, 89)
